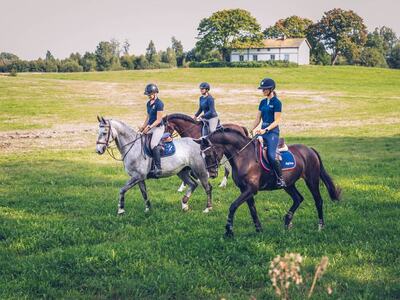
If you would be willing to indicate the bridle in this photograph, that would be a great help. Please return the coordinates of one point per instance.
(107, 142)
(216, 162)
(174, 134)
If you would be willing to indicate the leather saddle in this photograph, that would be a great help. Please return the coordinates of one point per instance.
(282, 147)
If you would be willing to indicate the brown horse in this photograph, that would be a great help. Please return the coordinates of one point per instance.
(250, 177)
(186, 126)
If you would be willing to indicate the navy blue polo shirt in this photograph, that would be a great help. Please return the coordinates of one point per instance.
(152, 110)
(268, 108)
(207, 105)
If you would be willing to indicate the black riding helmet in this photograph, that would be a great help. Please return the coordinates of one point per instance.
(267, 83)
(205, 85)
(150, 89)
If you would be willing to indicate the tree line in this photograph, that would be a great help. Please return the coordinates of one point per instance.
(339, 37)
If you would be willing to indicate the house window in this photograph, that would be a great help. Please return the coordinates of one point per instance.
(286, 57)
(258, 50)
(268, 49)
(241, 58)
(255, 57)
(272, 56)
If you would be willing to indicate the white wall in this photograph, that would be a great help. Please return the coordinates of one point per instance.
(300, 55)
(304, 54)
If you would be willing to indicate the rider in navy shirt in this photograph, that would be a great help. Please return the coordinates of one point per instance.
(269, 111)
(154, 124)
(207, 106)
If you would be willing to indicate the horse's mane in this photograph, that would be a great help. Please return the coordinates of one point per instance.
(128, 130)
(231, 130)
(181, 117)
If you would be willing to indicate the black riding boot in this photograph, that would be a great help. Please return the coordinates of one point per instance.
(157, 161)
(280, 183)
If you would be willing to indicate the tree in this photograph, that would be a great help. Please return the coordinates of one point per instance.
(49, 56)
(178, 48)
(227, 29)
(292, 27)
(394, 57)
(104, 56)
(152, 55)
(50, 63)
(343, 32)
(141, 62)
(169, 57)
(88, 62)
(128, 61)
(69, 65)
(389, 37)
(373, 57)
(125, 47)
(6, 59)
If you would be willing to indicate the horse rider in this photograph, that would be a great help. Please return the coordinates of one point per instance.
(270, 110)
(207, 106)
(154, 124)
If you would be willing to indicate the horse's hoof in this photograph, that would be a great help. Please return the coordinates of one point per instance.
(185, 207)
(121, 211)
(147, 209)
(228, 234)
(207, 210)
(321, 226)
(289, 226)
(259, 229)
(181, 189)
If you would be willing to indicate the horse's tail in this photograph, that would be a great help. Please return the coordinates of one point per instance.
(333, 190)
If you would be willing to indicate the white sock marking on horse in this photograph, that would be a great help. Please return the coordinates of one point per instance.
(121, 211)
(207, 210)
(185, 206)
(223, 182)
(182, 187)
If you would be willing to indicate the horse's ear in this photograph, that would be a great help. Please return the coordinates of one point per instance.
(103, 120)
(198, 141)
(98, 119)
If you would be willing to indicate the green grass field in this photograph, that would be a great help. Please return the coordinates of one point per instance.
(59, 233)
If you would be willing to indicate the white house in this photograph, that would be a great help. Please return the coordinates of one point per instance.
(294, 50)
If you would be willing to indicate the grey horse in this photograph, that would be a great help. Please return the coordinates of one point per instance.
(186, 159)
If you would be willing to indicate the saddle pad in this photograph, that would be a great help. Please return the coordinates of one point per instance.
(288, 161)
(168, 150)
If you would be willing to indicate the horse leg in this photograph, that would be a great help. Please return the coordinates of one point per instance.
(225, 179)
(313, 185)
(182, 187)
(184, 175)
(129, 184)
(297, 199)
(142, 186)
(253, 212)
(208, 189)
(232, 209)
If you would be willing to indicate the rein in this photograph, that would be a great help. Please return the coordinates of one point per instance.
(108, 143)
(232, 156)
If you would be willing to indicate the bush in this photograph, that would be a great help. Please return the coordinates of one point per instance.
(242, 64)
(13, 73)
(70, 66)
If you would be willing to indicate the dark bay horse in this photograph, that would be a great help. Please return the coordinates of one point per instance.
(186, 126)
(249, 176)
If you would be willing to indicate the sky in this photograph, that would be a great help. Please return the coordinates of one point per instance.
(28, 28)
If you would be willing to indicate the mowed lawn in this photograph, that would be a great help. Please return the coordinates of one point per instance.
(60, 236)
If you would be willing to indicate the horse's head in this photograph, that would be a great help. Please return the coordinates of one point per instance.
(212, 155)
(169, 126)
(105, 135)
